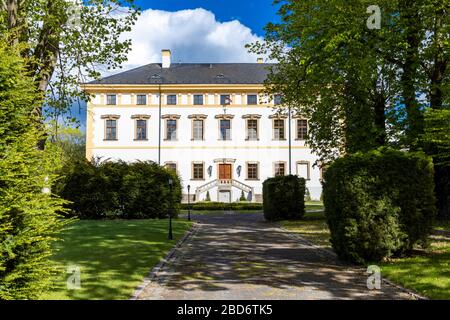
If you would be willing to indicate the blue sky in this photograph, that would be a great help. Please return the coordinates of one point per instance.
(208, 31)
(255, 14)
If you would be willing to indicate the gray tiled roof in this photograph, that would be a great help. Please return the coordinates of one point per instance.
(192, 73)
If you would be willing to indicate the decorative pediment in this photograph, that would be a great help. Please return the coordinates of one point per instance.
(251, 116)
(278, 116)
(171, 116)
(298, 116)
(198, 116)
(141, 116)
(224, 160)
(110, 116)
(224, 116)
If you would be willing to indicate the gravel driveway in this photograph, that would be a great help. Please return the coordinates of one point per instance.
(241, 256)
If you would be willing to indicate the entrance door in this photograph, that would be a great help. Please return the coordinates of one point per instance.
(224, 196)
(225, 171)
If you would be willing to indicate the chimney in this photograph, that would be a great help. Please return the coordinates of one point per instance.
(260, 60)
(165, 58)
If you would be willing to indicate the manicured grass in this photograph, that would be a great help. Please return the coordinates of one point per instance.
(427, 271)
(312, 227)
(114, 255)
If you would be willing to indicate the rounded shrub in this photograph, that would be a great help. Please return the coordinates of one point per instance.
(284, 198)
(107, 189)
(378, 203)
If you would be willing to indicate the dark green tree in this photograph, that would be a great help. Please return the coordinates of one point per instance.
(66, 42)
(28, 211)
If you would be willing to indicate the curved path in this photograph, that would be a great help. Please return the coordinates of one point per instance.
(240, 256)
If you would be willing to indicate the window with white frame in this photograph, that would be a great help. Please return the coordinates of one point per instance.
(171, 129)
(197, 129)
(171, 165)
(111, 99)
(198, 172)
(198, 99)
(252, 99)
(277, 99)
(252, 129)
(303, 169)
(278, 129)
(280, 169)
(172, 99)
(111, 129)
(141, 99)
(141, 129)
(252, 171)
(302, 129)
(225, 129)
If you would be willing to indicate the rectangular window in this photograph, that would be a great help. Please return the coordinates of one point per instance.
(252, 99)
(302, 129)
(252, 129)
(198, 99)
(278, 128)
(277, 99)
(252, 171)
(171, 130)
(141, 99)
(225, 129)
(225, 99)
(303, 169)
(111, 130)
(197, 129)
(171, 166)
(111, 99)
(141, 129)
(197, 171)
(279, 169)
(172, 99)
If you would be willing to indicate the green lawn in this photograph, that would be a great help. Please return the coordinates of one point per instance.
(426, 271)
(114, 255)
(312, 227)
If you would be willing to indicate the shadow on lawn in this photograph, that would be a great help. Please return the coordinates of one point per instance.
(114, 256)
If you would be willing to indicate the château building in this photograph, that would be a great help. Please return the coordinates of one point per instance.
(209, 122)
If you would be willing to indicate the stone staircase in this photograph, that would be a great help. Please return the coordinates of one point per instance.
(224, 183)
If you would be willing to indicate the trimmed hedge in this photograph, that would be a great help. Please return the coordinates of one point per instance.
(284, 198)
(119, 190)
(378, 204)
(214, 206)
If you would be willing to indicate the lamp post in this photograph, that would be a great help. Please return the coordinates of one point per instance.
(189, 202)
(170, 209)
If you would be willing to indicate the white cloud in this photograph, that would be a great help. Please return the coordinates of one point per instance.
(191, 35)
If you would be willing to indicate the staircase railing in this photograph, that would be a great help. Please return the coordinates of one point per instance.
(224, 182)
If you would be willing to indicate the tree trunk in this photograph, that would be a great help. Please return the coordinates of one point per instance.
(411, 22)
(12, 7)
(380, 119)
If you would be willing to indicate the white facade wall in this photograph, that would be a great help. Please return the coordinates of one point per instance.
(266, 151)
